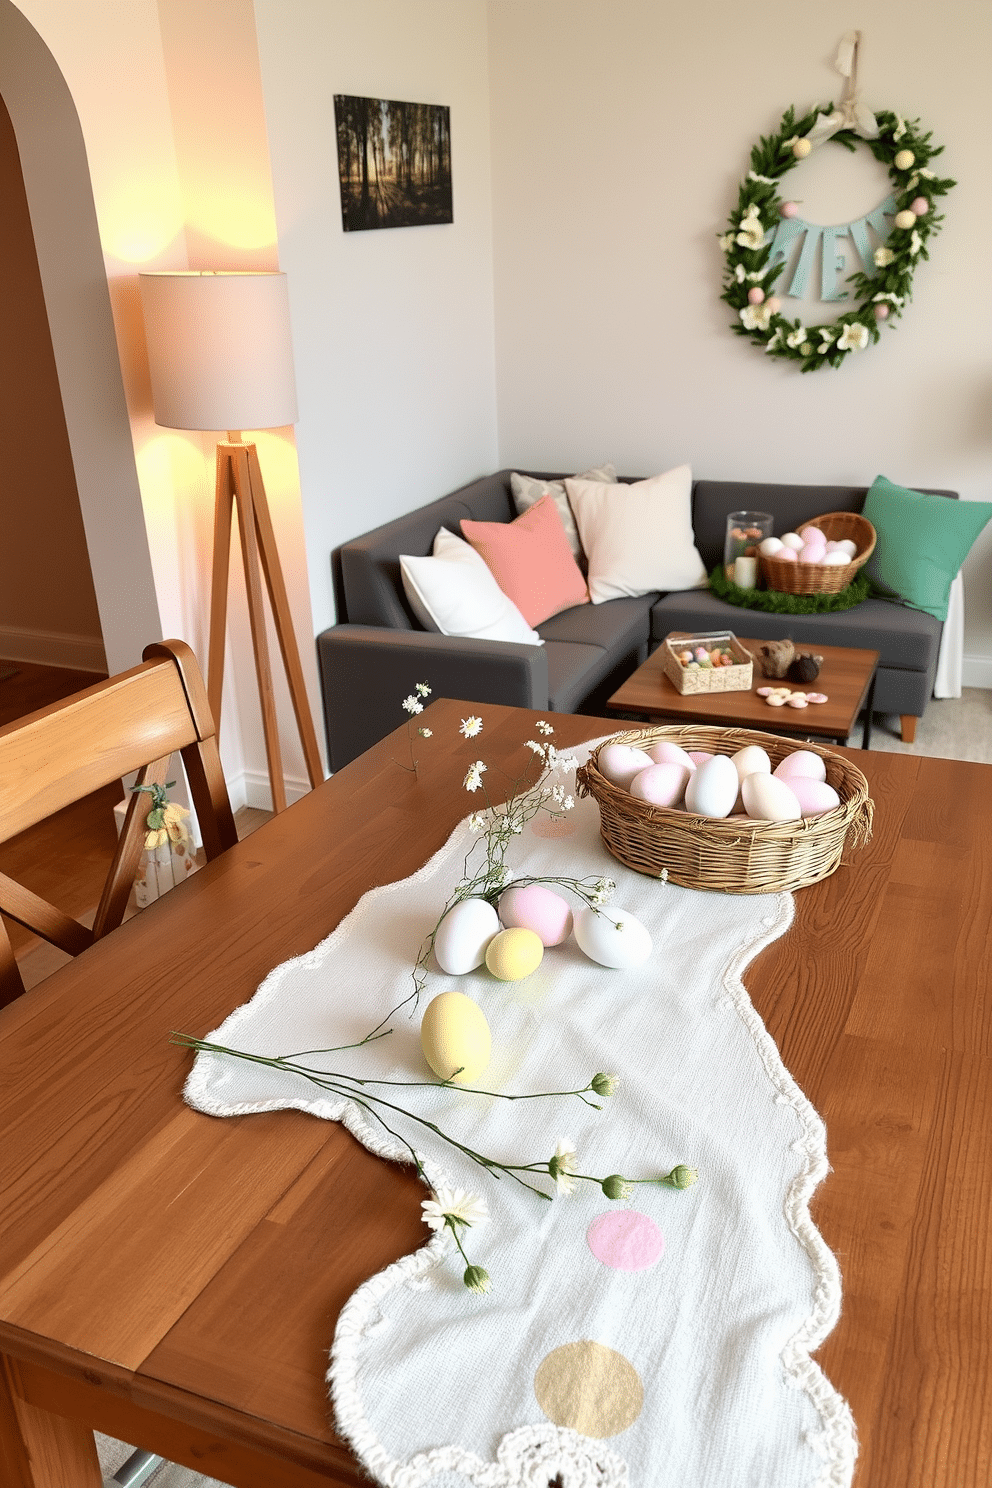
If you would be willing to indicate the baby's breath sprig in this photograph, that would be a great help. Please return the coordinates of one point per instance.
(414, 704)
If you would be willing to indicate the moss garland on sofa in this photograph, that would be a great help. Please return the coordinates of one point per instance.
(774, 602)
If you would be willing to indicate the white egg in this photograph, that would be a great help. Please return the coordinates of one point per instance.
(801, 762)
(666, 752)
(712, 791)
(792, 540)
(463, 935)
(770, 547)
(850, 548)
(768, 799)
(619, 763)
(612, 937)
(836, 558)
(661, 785)
(751, 760)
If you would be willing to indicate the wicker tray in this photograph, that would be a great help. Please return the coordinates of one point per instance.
(692, 680)
(734, 855)
(816, 578)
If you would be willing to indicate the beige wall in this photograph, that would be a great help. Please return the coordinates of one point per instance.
(48, 609)
(620, 131)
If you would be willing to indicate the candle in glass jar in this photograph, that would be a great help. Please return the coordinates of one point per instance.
(746, 572)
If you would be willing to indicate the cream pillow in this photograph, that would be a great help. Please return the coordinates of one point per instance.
(455, 594)
(527, 489)
(638, 537)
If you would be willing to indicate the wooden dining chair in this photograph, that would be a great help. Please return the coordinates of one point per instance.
(58, 755)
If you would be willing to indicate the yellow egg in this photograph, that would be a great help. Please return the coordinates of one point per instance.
(513, 954)
(454, 1035)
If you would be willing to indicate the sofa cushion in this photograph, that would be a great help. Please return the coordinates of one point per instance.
(454, 592)
(922, 542)
(903, 638)
(527, 489)
(622, 626)
(531, 561)
(637, 537)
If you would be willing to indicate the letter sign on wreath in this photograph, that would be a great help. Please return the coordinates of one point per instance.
(765, 229)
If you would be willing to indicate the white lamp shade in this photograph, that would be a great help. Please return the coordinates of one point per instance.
(219, 350)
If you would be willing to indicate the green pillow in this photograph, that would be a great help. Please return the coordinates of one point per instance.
(922, 542)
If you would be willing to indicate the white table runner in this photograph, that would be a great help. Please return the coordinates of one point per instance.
(661, 1341)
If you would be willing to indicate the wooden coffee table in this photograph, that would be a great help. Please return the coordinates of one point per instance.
(847, 676)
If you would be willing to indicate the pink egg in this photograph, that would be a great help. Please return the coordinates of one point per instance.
(533, 907)
(881, 311)
(774, 304)
(801, 762)
(661, 785)
(789, 209)
(814, 796)
(699, 756)
(812, 553)
(920, 206)
(621, 762)
(755, 295)
(667, 753)
(813, 535)
(786, 555)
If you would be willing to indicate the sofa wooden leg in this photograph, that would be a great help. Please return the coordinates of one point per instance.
(909, 722)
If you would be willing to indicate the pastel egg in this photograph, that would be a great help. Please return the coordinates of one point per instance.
(454, 1036)
(665, 752)
(836, 559)
(712, 790)
(801, 762)
(621, 762)
(792, 540)
(812, 534)
(661, 785)
(905, 220)
(814, 796)
(812, 553)
(612, 937)
(768, 799)
(919, 206)
(533, 907)
(848, 546)
(699, 756)
(789, 208)
(770, 547)
(514, 954)
(904, 159)
(463, 935)
(755, 295)
(751, 760)
(788, 554)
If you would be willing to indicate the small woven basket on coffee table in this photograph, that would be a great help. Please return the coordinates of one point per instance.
(823, 578)
(734, 855)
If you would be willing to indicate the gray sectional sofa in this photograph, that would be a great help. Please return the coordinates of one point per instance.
(370, 660)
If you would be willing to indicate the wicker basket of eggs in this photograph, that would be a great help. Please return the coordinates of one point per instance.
(735, 810)
(821, 558)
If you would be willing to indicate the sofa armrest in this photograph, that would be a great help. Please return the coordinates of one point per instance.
(366, 671)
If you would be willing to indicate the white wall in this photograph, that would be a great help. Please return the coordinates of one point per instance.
(392, 329)
(620, 131)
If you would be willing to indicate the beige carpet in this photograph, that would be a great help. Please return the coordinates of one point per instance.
(951, 728)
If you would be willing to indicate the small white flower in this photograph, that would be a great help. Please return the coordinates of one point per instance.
(928, 175)
(471, 726)
(473, 778)
(456, 1204)
(751, 233)
(892, 298)
(568, 803)
(563, 1165)
(412, 705)
(915, 243)
(537, 748)
(601, 891)
(883, 257)
(422, 690)
(788, 144)
(900, 128)
(476, 821)
(426, 733)
(912, 183)
(740, 273)
(726, 240)
(773, 341)
(854, 337)
(796, 338)
(758, 276)
(756, 317)
(542, 727)
(765, 180)
(561, 762)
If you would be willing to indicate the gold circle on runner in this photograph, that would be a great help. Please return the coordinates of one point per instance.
(589, 1388)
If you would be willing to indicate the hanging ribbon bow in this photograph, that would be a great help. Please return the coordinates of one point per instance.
(851, 114)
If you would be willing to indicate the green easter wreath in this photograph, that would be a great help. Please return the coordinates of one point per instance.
(882, 295)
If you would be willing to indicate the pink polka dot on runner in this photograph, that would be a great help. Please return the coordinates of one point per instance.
(625, 1240)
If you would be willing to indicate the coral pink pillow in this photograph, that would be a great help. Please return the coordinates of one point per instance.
(531, 560)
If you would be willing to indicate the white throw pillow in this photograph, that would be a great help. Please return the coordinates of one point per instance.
(638, 537)
(454, 593)
(527, 489)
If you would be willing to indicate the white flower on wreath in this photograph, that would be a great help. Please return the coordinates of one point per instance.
(796, 338)
(915, 243)
(757, 276)
(854, 337)
(740, 274)
(928, 175)
(473, 778)
(773, 341)
(750, 233)
(456, 1204)
(756, 317)
(726, 240)
(900, 128)
(883, 257)
(764, 180)
(894, 299)
(827, 338)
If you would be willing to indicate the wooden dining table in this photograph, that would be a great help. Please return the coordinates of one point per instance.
(174, 1280)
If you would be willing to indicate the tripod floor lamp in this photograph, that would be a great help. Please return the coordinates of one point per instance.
(220, 357)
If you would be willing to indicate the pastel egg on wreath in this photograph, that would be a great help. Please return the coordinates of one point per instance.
(619, 763)
(768, 799)
(461, 938)
(801, 762)
(801, 149)
(881, 311)
(774, 304)
(906, 220)
(770, 547)
(534, 907)
(755, 295)
(792, 540)
(661, 785)
(514, 954)
(904, 159)
(612, 937)
(789, 209)
(814, 796)
(454, 1036)
(919, 206)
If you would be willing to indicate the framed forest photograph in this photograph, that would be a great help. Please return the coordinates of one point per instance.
(394, 162)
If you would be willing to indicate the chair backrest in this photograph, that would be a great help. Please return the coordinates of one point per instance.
(135, 721)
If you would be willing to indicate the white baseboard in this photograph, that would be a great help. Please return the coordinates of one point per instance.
(976, 671)
(252, 788)
(53, 648)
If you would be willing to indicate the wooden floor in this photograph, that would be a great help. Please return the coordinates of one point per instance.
(66, 858)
